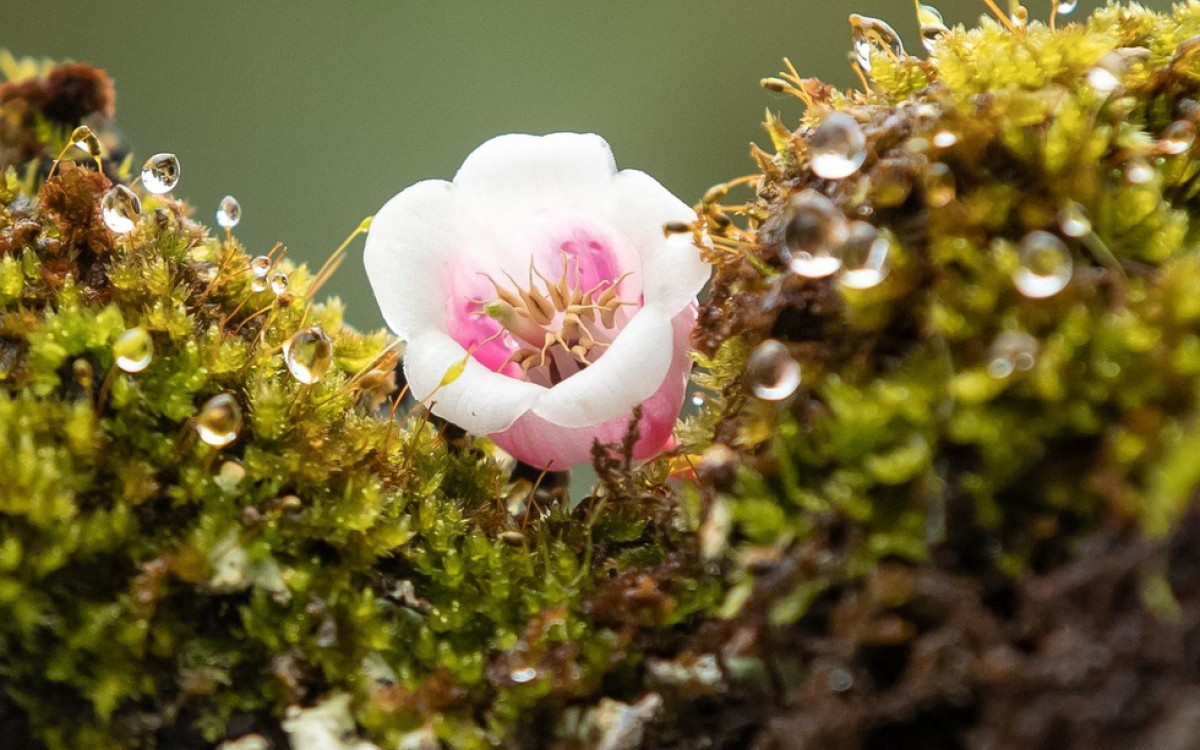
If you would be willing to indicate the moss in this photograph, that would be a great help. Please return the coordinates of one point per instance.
(160, 591)
(972, 525)
(895, 526)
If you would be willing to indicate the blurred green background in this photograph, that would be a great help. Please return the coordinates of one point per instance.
(314, 114)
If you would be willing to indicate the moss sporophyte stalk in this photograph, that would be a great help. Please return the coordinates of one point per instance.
(940, 490)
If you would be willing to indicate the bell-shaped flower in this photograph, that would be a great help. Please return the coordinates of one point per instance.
(539, 297)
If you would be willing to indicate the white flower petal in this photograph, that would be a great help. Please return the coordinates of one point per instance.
(627, 374)
(531, 171)
(479, 400)
(408, 246)
(673, 271)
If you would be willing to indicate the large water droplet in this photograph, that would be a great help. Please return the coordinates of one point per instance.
(933, 26)
(308, 354)
(864, 257)
(229, 213)
(219, 420)
(771, 372)
(1045, 265)
(838, 147)
(134, 350)
(260, 266)
(120, 208)
(279, 282)
(258, 284)
(816, 230)
(1177, 138)
(871, 34)
(160, 173)
(1067, 7)
(1074, 222)
(1011, 351)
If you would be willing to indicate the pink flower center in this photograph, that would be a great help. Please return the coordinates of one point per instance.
(546, 314)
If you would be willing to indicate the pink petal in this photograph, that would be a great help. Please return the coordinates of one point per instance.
(546, 445)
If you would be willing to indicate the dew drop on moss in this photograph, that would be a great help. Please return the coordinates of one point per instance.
(699, 399)
(814, 234)
(1011, 351)
(229, 212)
(258, 284)
(771, 371)
(1105, 77)
(864, 257)
(308, 354)
(940, 188)
(838, 147)
(1177, 138)
(85, 140)
(1045, 265)
(945, 138)
(871, 34)
(160, 173)
(120, 208)
(1067, 7)
(219, 421)
(933, 26)
(260, 266)
(1138, 172)
(134, 350)
(279, 283)
(1074, 222)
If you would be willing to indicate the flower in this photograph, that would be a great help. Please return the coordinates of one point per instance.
(539, 297)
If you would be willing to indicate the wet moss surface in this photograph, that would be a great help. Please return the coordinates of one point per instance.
(968, 521)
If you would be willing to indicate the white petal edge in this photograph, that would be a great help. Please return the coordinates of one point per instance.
(536, 171)
(409, 242)
(671, 266)
(479, 401)
(628, 373)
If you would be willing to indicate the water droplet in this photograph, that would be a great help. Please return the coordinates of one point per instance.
(1105, 77)
(229, 213)
(771, 372)
(120, 208)
(1011, 351)
(160, 173)
(839, 680)
(279, 282)
(85, 140)
(837, 147)
(940, 188)
(1177, 138)
(308, 354)
(134, 350)
(945, 138)
(258, 284)
(1045, 265)
(816, 230)
(1074, 222)
(864, 257)
(933, 26)
(1139, 172)
(523, 675)
(699, 399)
(871, 34)
(219, 420)
(260, 266)
(1067, 7)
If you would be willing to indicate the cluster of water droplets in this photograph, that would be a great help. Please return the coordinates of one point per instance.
(818, 241)
(1011, 352)
(120, 207)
